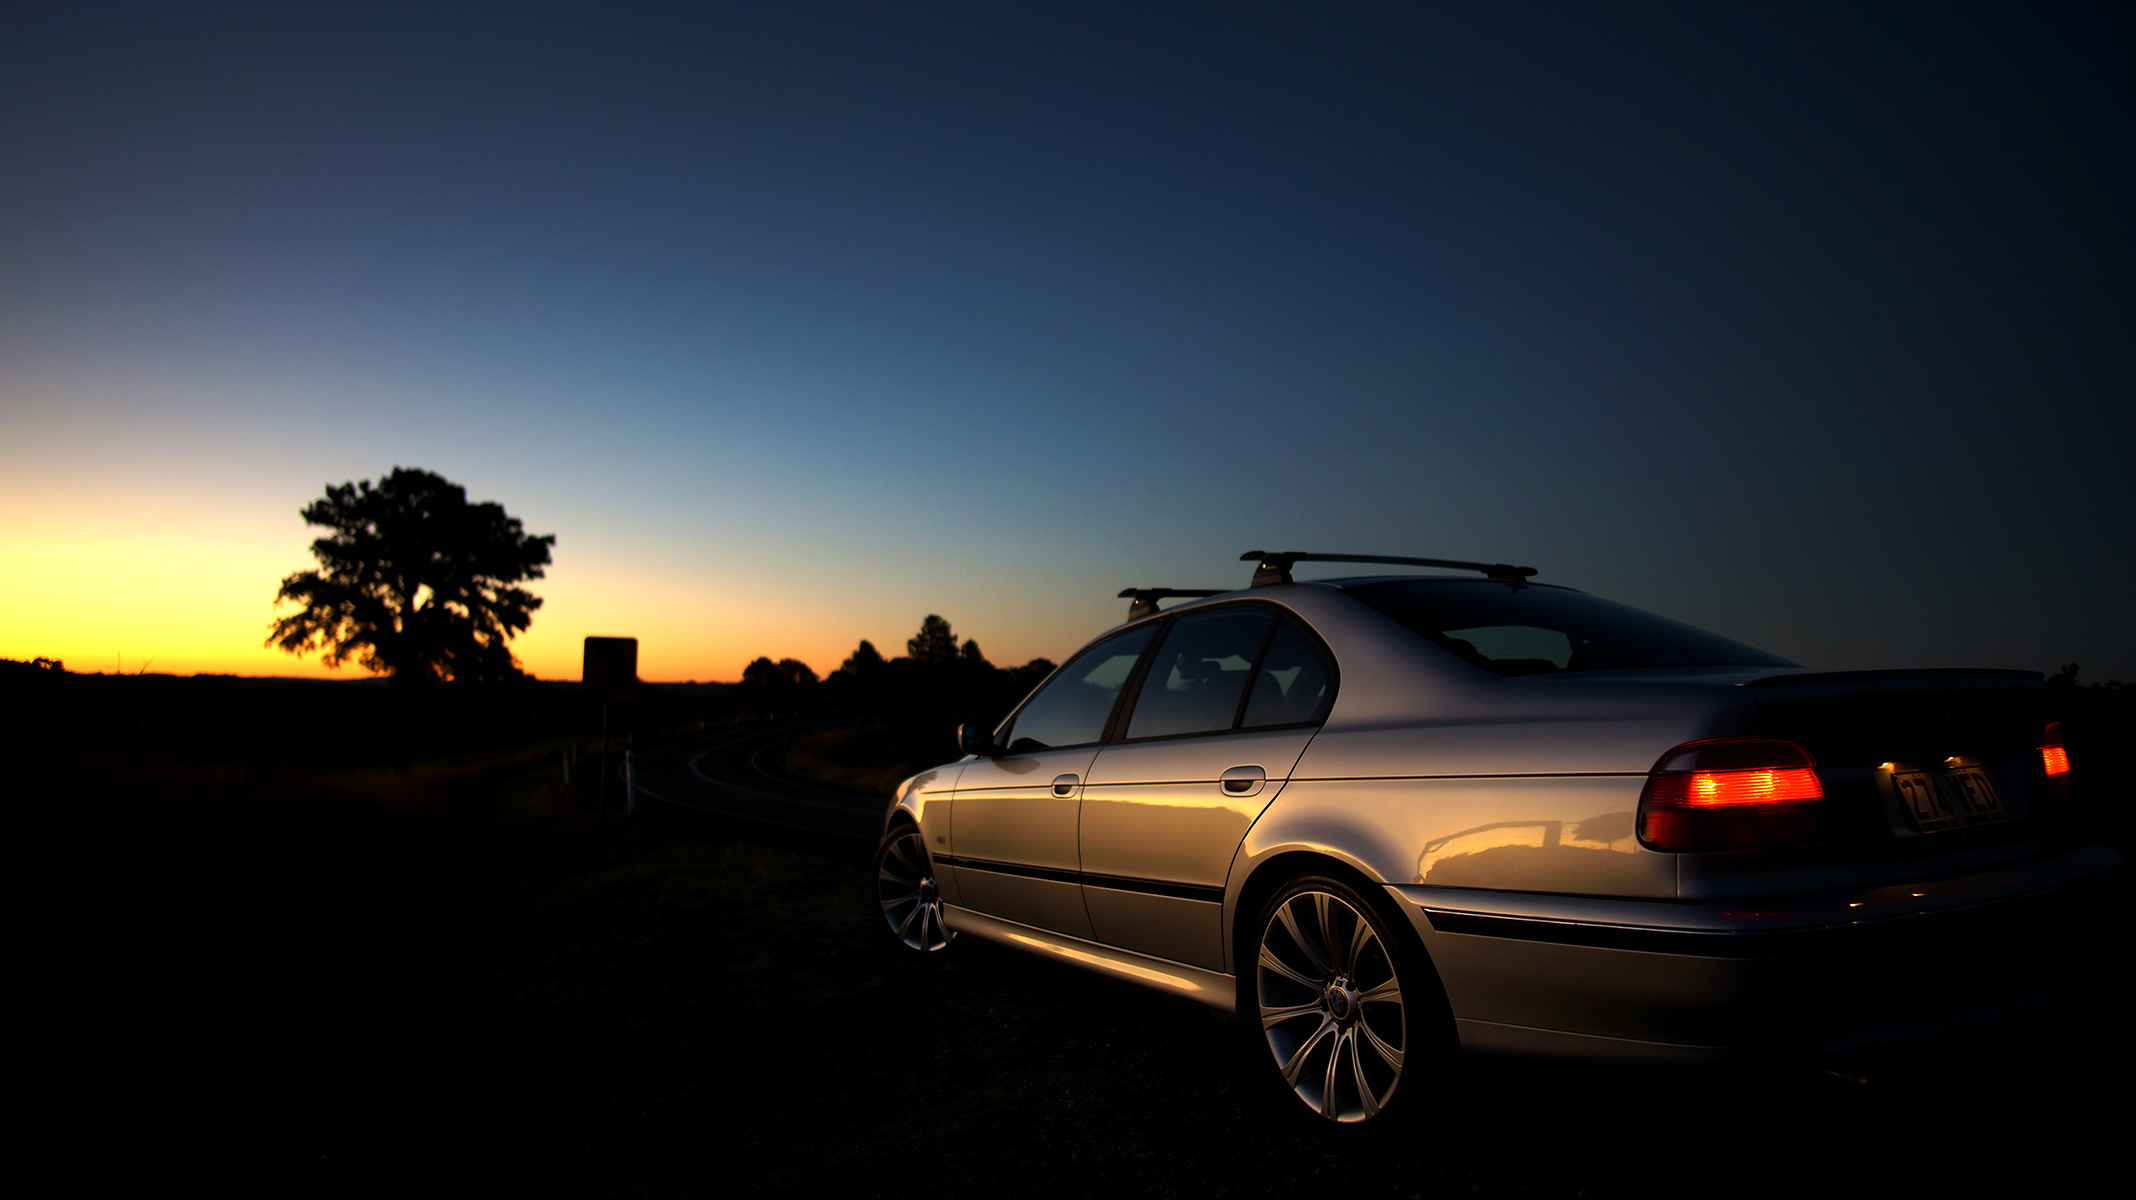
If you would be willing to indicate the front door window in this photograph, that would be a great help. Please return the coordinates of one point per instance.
(1071, 710)
(1013, 824)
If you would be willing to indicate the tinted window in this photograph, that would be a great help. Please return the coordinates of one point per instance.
(1292, 685)
(1200, 672)
(1539, 630)
(1071, 710)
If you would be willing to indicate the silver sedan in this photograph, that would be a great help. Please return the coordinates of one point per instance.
(1392, 817)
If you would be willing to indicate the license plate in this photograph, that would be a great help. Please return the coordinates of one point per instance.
(1948, 799)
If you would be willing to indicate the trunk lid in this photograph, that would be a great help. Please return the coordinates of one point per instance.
(1924, 771)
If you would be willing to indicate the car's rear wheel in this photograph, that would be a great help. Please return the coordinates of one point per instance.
(1347, 1017)
(905, 891)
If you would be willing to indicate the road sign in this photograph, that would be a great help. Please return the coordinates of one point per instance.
(610, 674)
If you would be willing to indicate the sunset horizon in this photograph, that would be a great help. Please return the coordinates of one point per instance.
(795, 330)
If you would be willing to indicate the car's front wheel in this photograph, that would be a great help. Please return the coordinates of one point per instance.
(905, 891)
(1347, 1016)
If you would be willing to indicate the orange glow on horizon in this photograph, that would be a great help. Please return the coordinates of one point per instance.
(186, 593)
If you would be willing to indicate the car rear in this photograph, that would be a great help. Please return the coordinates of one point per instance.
(1859, 857)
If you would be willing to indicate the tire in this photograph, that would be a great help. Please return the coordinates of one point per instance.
(1348, 1009)
(906, 899)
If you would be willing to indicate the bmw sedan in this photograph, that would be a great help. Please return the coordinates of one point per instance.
(1386, 818)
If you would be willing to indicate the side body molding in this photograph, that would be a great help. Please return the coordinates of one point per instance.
(1212, 988)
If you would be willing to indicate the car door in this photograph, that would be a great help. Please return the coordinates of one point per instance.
(1013, 828)
(1222, 713)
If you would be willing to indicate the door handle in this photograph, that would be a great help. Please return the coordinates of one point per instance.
(1064, 785)
(1244, 781)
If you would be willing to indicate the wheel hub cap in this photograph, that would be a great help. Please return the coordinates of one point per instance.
(1341, 1000)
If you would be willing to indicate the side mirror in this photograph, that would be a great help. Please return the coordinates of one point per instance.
(977, 739)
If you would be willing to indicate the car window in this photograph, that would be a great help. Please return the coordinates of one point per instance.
(1291, 687)
(1200, 672)
(1536, 629)
(1517, 649)
(1072, 708)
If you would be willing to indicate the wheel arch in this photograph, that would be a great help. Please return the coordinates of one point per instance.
(1271, 872)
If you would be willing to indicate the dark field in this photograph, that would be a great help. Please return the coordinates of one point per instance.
(874, 757)
(455, 977)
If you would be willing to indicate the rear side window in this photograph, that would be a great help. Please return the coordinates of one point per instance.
(1540, 630)
(1293, 684)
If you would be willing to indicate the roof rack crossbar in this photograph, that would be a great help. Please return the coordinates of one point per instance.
(1145, 599)
(1275, 567)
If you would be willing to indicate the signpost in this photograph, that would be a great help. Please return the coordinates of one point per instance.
(609, 675)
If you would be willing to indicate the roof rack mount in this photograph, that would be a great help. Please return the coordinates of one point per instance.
(1275, 567)
(1145, 599)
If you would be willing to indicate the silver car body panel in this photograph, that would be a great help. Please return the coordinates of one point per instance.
(1499, 814)
(1624, 979)
(924, 800)
(1023, 811)
(1188, 982)
(1160, 828)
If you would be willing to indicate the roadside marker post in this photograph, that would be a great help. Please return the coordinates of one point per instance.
(630, 783)
(609, 674)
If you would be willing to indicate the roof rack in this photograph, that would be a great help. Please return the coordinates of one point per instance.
(1145, 599)
(1275, 568)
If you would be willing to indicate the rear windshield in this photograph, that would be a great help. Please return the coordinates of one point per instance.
(1539, 630)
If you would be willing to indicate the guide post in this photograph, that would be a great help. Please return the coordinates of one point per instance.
(610, 676)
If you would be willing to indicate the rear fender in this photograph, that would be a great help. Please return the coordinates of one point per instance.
(1325, 835)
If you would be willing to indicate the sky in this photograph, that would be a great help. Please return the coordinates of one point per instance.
(1808, 324)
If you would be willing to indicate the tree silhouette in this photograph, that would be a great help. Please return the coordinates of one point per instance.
(781, 688)
(866, 659)
(414, 581)
(934, 645)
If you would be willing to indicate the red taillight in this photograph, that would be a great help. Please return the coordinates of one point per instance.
(2054, 754)
(2054, 758)
(1732, 794)
(1719, 789)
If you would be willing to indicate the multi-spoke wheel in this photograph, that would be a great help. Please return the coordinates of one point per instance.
(1329, 987)
(905, 891)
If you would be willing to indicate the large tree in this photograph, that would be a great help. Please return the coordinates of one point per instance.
(934, 645)
(414, 581)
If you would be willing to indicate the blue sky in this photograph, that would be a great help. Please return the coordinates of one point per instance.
(1807, 324)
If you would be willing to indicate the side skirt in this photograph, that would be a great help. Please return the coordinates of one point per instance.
(1212, 988)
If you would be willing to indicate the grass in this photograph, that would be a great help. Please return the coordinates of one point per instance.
(872, 758)
(454, 977)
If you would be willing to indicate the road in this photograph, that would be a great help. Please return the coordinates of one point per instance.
(727, 773)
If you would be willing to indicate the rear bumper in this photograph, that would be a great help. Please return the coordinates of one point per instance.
(1667, 981)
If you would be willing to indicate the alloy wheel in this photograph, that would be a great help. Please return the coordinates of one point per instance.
(1331, 1007)
(905, 889)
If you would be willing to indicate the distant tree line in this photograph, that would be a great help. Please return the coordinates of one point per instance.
(935, 675)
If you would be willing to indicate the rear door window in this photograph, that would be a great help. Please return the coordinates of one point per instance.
(1200, 672)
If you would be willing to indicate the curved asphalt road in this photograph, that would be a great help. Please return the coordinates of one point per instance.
(728, 773)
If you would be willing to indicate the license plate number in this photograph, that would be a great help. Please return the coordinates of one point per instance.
(1948, 799)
